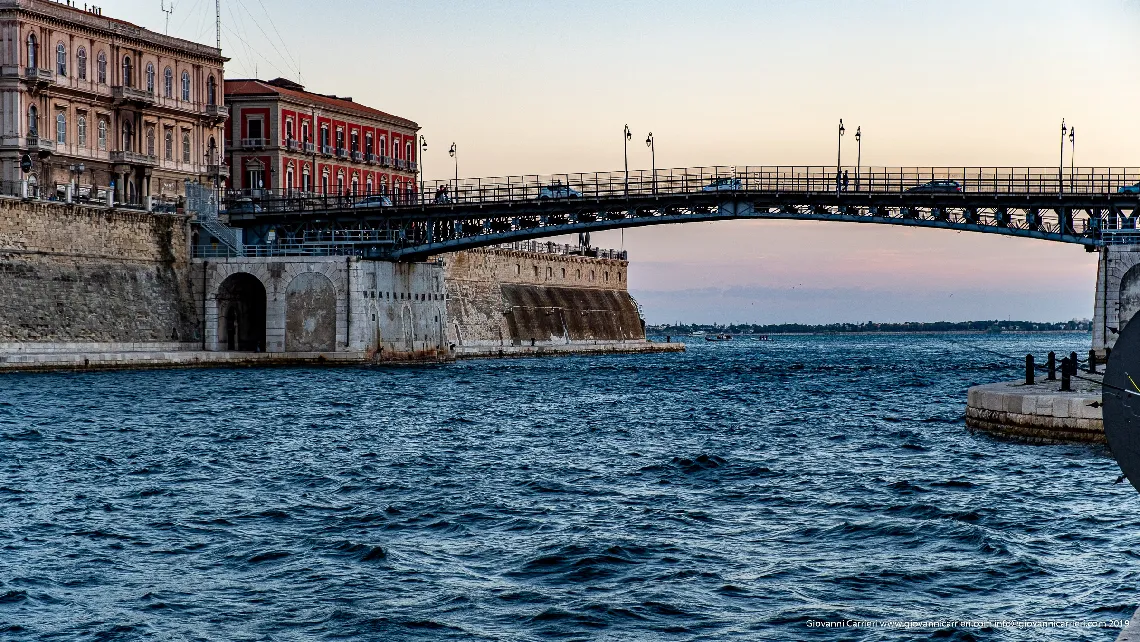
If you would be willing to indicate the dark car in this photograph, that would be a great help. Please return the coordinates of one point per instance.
(937, 187)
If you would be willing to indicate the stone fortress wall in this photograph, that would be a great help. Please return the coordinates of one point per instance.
(96, 287)
(509, 300)
(74, 277)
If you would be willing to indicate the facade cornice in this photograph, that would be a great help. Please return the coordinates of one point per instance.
(323, 109)
(114, 30)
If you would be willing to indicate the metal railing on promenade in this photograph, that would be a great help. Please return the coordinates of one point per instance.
(563, 249)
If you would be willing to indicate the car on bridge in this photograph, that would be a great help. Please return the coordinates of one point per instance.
(378, 200)
(722, 185)
(243, 206)
(937, 187)
(558, 190)
(1130, 189)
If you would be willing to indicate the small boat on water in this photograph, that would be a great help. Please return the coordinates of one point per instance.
(719, 337)
(761, 337)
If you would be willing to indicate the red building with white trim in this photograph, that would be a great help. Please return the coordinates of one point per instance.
(284, 138)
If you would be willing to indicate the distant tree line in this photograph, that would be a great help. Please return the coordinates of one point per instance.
(871, 326)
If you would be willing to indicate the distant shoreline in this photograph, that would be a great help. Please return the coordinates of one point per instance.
(863, 332)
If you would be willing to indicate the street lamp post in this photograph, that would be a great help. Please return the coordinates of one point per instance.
(653, 159)
(423, 184)
(1061, 168)
(626, 136)
(451, 152)
(1072, 159)
(839, 158)
(859, 156)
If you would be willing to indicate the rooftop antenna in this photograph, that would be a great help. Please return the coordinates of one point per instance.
(169, 11)
(218, 17)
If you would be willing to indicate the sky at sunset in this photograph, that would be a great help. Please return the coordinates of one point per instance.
(539, 87)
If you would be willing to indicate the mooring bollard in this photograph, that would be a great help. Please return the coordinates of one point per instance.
(1029, 370)
(1092, 361)
(1066, 384)
(1074, 365)
(1052, 366)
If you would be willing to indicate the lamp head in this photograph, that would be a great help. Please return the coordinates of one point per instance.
(1063, 128)
(841, 128)
(628, 135)
(451, 152)
(859, 133)
(1072, 134)
(649, 140)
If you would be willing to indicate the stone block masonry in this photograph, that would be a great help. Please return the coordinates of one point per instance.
(72, 276)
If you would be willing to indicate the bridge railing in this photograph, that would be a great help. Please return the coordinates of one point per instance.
(748, 179)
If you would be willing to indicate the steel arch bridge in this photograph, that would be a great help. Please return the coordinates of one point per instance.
(1084, 206)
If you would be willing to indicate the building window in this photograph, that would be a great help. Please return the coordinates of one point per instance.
(81, 63)
(383, 146)
(306, 180)
(33, 121)
(368, 144)
(324, 137)
(61, 59)
(33, 49)
(564, 273)
(102, 135)
(186, 86)
(185, 147)
(305, 131)
(355, 141)
(288, 129)
(254, 129)
(355, 184)
(255, 176)
(101, 67)
(61, 128)
(549, 272)
(211, 91)
(325, 182)
(289, 178)
(150, 141)
(128, 136)
(339, 139)
(212, 152)
(340, 183)
(169, 144)
(407, 151)
(368, 186)
(150, 78)
(82, 125)
(128, 72)
(168, 83)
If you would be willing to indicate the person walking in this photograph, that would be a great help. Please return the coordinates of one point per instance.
(846, 180)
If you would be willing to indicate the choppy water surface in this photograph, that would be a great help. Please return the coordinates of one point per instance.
(734, 492)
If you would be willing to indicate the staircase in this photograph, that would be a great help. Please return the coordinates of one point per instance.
(203, 202)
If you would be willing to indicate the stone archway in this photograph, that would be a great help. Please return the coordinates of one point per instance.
(310, 314)
(241, 314)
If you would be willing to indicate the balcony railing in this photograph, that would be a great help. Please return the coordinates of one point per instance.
(341, 152)
(130, 94)
(327, 150)
(253, 143)
(358, 157)
(40, 75)
(219, 171)
(385, 161)
(310, 148)
(401, 163)
(133, 158)
(370, 159)
(292, 145)
(35, 143)
(413, 166)
(218, 111)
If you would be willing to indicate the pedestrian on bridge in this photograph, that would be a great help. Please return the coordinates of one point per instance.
(846, 180)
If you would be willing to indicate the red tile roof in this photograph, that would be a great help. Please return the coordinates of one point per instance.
(254, 87)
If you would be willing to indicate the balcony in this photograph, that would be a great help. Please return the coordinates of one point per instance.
(341, 152)
(357, 157)
(385, 161)
(292, 145)
(412, 166)
(370, 159)
(34, 74)
(37, 144)
(131, 95)
(401, 163)
(218, 171)
(310, 148)
(220, 112)
(133, 158)
(327, 150)
(253, 143)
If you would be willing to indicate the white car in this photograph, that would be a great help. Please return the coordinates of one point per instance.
(722, 185)
(558, 190)
(373, 201)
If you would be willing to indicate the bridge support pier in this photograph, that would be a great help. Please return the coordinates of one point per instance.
(1117, 293)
